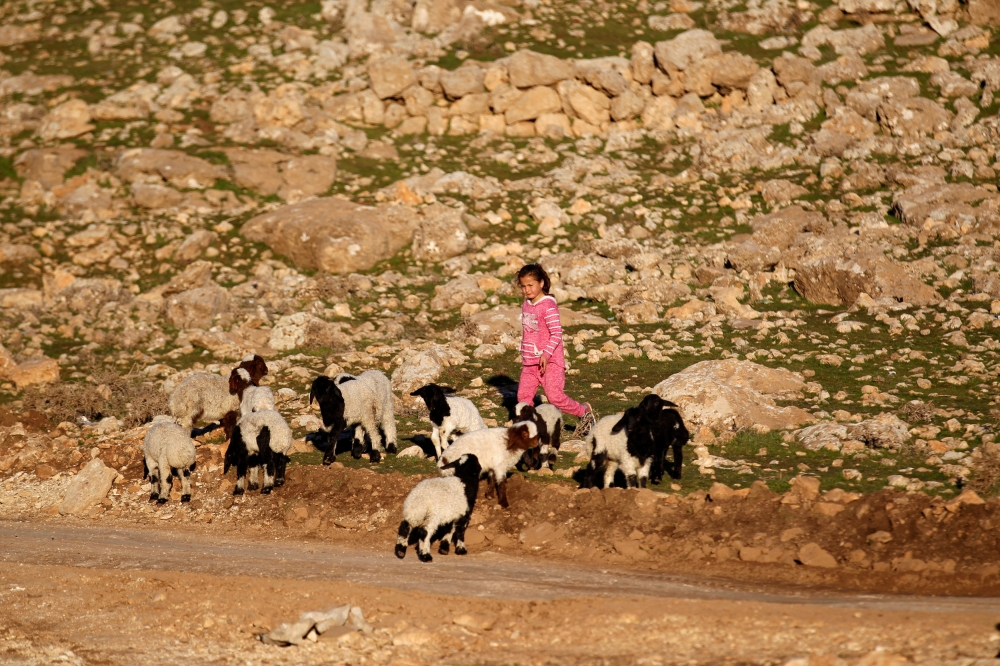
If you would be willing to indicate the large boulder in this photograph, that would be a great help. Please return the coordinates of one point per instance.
(133, 103)
(527, 69)
(88, 488)
(942, 202)
(417, 368)
(440, 234)
(47, 166)
(333, 235)
(390, 75)
(463, 81)
(730, 395)
(839, 280)
(302, 330)
(17, 253)
(308, 176)
(181, 170)
(535, 102)
(914, 116)
(686, 49)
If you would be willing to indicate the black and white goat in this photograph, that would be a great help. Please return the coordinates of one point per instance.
(255, 367)
(256, 399)
(440, 508)
(349, 402)
(498, 451)
(636, 442)
(450, 415)
(259, 439)
(548, 418)
(168, 451)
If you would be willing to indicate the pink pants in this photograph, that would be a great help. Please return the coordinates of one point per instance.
(553, 382)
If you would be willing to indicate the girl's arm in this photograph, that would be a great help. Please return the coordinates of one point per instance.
(550, 320)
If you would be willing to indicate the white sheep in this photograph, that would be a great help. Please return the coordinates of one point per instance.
(260, 438)
(548, 418)
(206, 397)
(256, 399)
(168, 451)
(385, 414)
(351, 403)
(440, 507)
(498, 451)
(449, 415)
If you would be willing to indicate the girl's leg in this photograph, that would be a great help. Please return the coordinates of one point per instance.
(527, 386)
(553, 382)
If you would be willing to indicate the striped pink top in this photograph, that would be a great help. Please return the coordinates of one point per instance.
(541, 332)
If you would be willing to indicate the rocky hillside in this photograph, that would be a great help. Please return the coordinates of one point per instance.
(802, 195)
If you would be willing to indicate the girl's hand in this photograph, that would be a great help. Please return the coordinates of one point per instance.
(542, 362)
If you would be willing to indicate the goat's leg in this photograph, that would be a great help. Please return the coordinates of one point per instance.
(644, 473)
(402, 539)
(502, 492)
(445, 546)
(424, 545)
(154, 480)
(630, 472)
(610, 467)
(389, 428)
(678, 460)
(241, 474)
(185, 485)
(436, 441)
(460, 527)
(358, 443)
(280, 463)
(165, 477)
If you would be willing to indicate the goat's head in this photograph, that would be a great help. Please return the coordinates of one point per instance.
(436, 399)
(331, 405)
(523, 437)
(239, 380)
(466, 468)
(255, 366)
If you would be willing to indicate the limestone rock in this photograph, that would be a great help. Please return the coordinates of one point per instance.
(36, 370)
(67, 120)
(17, 253)
(914, 116)
(840, 280)
(196, 308)
(812, 555)
(88, 488)
(778, 191)
(527, 69)
(731, 395)
(440, 234)
(136, 102)
(333, 235)
(47, 166)
(461, 82)
(192, 246)
(177, 168)
(535, 102)
(307, 176)
(456, 293)
(882, 431)
(303, 330)
(417, 369)
(686, 49)
(390, 75)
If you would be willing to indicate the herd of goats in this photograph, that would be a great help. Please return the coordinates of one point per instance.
(634, 442)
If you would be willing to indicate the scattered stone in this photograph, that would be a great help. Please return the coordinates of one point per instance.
(88, 488)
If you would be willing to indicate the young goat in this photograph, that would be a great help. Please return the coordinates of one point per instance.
(348, 404)
(449, 415)
(655, 425)
(260, 439)
(385, 414)
(548, 418)
(636, 442)
(256, 399)
(209, 398)
(255, 366)
(498, 451)
(440, 507)
(168, 451)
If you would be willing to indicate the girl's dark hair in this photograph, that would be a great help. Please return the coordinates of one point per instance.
(536, 271)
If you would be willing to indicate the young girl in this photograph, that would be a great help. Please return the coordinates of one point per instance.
(542, 348)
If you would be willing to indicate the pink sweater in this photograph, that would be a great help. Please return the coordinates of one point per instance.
(541, 332)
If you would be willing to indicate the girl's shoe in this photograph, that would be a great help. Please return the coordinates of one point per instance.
(585, 424)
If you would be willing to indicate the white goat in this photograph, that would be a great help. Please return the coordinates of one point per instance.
(260, 438)
(168, 451)
(498, 451)
(256, 399)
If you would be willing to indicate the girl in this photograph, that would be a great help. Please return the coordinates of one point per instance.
(542, 348)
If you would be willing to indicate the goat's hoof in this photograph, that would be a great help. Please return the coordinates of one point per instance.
(391, 448)
(253, 486)
(444, 548)
(460, 549)
(400, 551)
(329, 461)
(265, 491)
(161, 500)
(425, 557)
(278, 483)
(186, 498)
(238, 491)
(375, 457)
(153, 497)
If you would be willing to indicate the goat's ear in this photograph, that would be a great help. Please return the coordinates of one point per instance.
(624, 422)
(446, 389)
(234, 385)
(419, 393)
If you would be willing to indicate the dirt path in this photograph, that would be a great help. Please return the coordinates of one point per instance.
(484, 575)
(122, 595)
